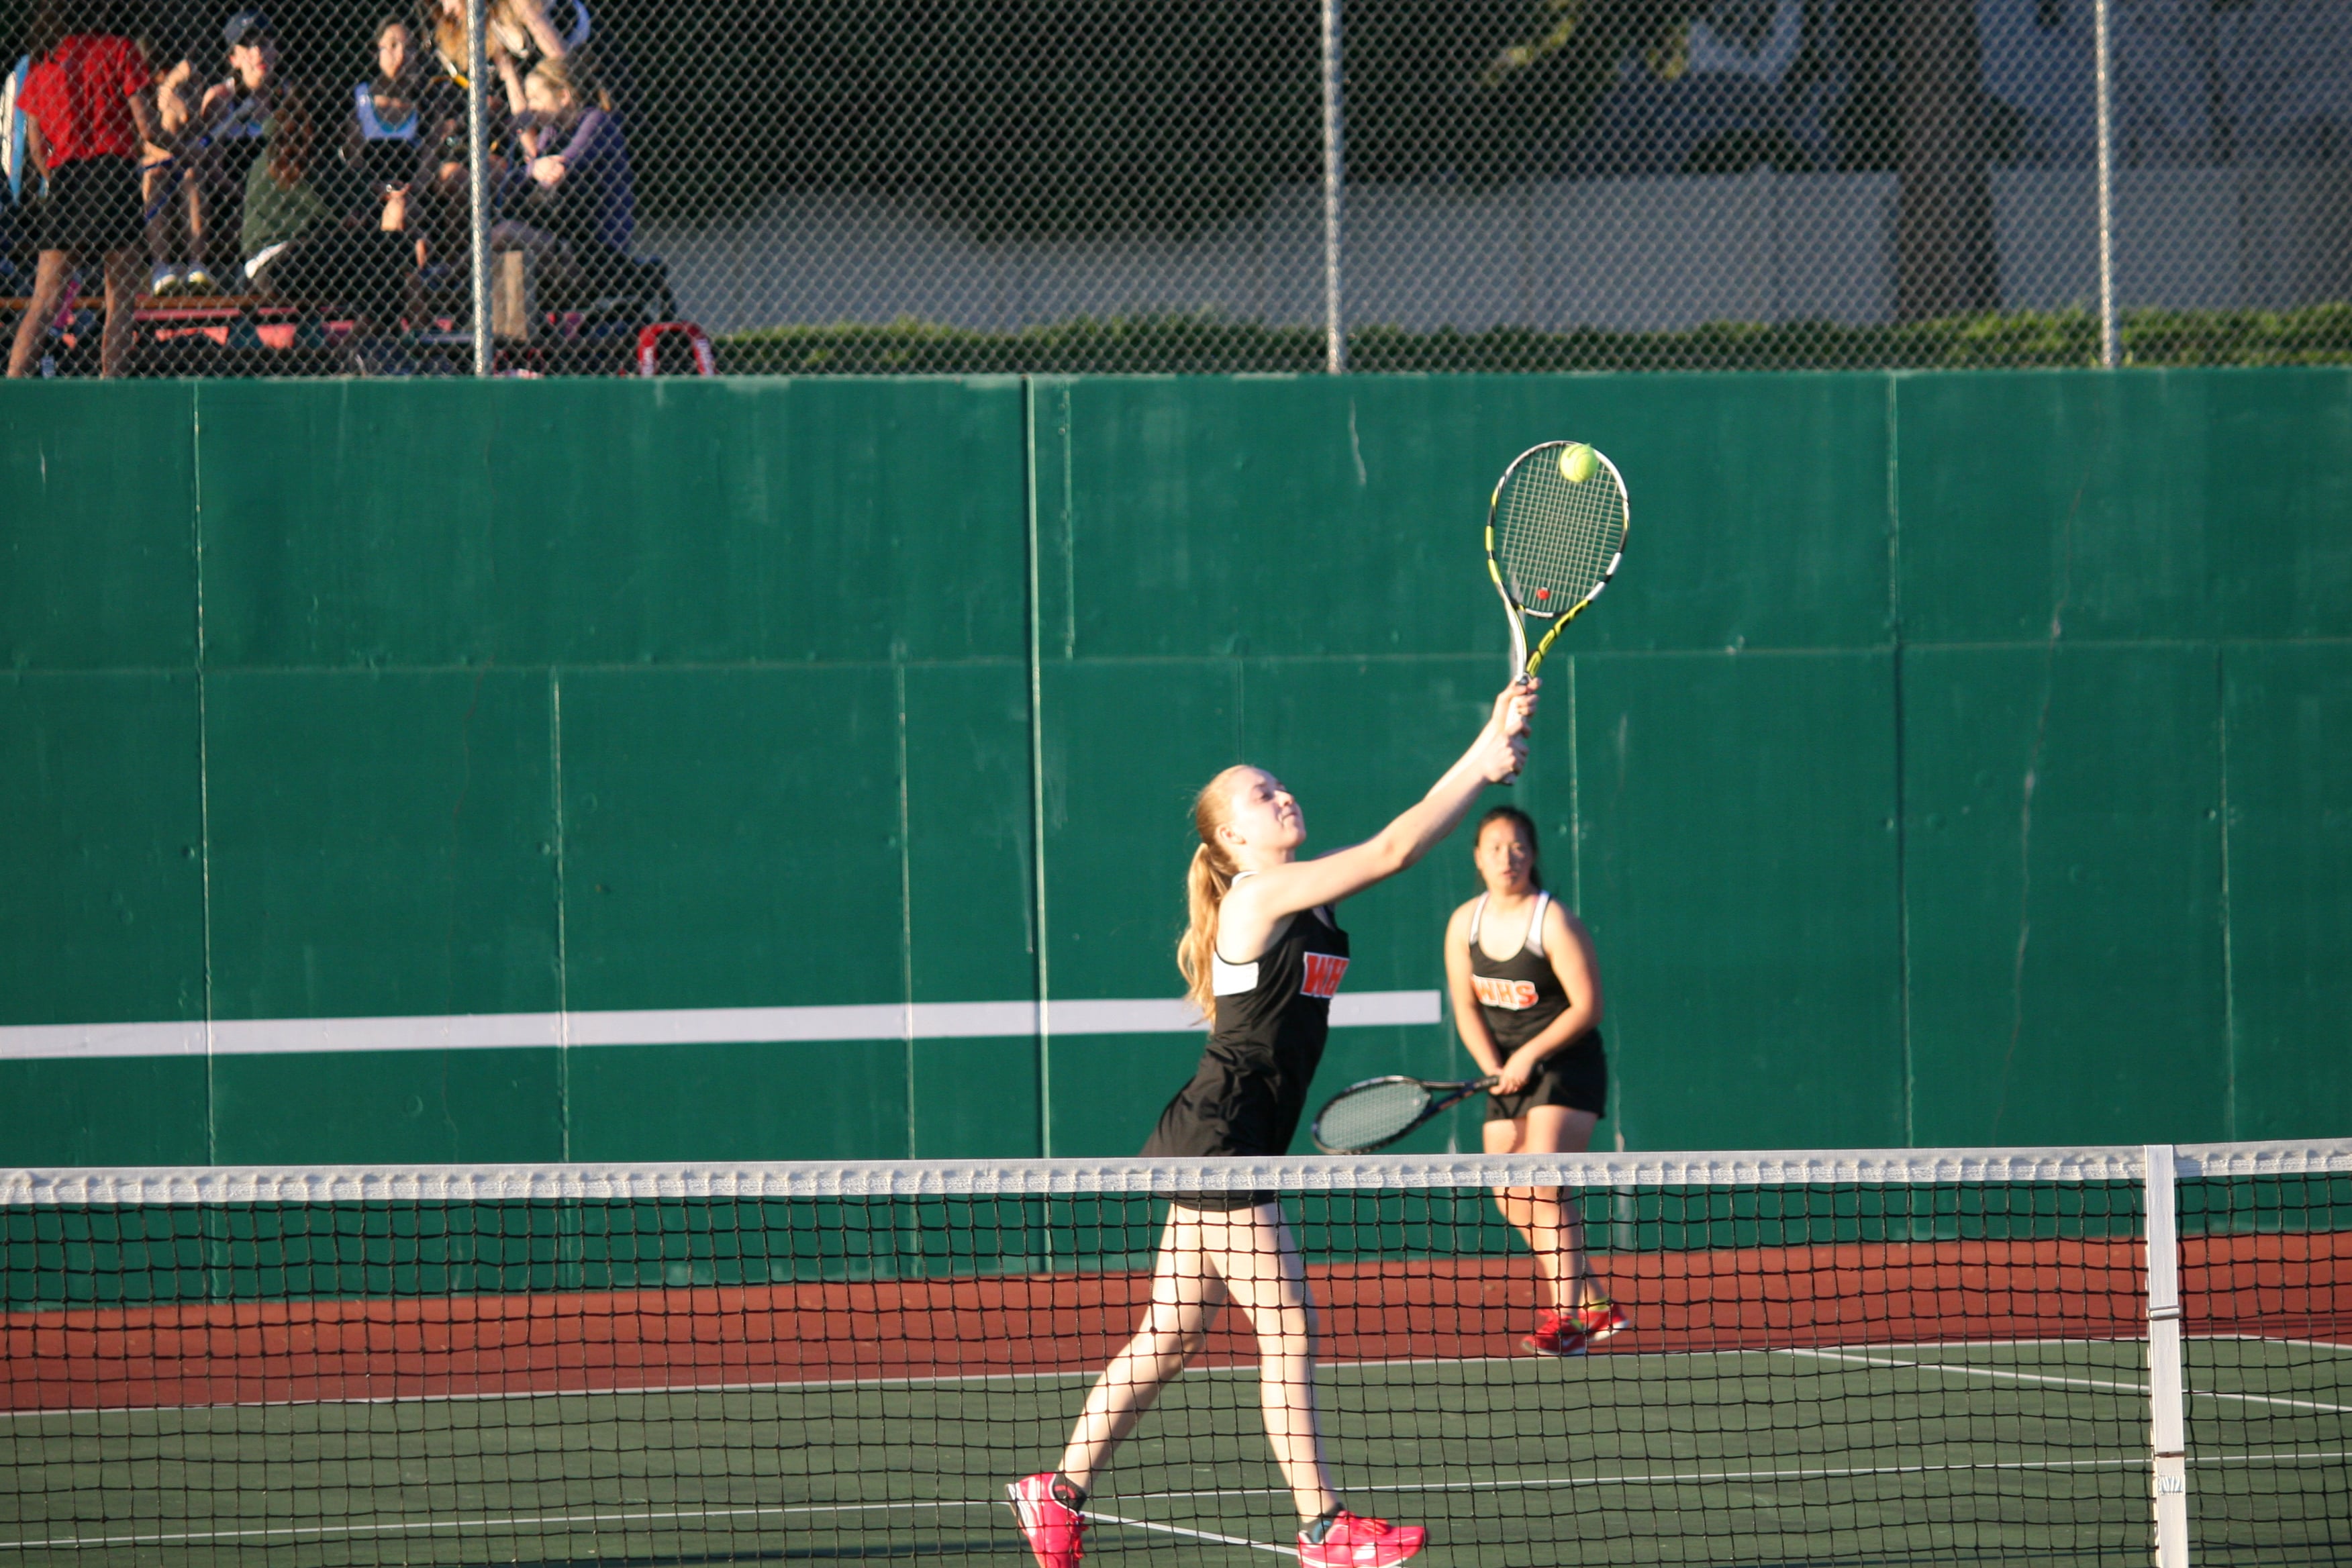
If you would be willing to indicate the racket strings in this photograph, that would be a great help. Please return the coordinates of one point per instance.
(1557, 542)
(1365, 1117)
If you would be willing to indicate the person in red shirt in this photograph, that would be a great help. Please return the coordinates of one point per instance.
(90, 106)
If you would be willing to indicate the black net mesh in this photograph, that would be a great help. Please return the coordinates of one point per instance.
(1130, 185)
(1758, 1361)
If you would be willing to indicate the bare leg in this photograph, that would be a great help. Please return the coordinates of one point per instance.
(1552, 1227)
(164, 227)
(122, 292)
(196, 199)
(1205, 1259)
(1267, 1279)
(49, 292)
(1186, 1293)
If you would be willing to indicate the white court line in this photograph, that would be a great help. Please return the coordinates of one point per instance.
(1093, 1518)
(2339, 1349)
(403, 1526)
(935, 1381)
(780, 1385)
(1963, 1370)
(661, 1026)
(413, 1526)
(2267, 1399)
(1683, 1477)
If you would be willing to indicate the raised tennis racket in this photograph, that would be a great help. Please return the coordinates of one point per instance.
(1555, 532)
(1377, 1111)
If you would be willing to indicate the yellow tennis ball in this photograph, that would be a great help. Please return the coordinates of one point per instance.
(1576, 462)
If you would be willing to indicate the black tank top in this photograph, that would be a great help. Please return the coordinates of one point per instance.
(1519, 995)
(1273, 1017)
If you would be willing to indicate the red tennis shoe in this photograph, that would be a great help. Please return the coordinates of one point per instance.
(1556, 1334)
(1598, 1319)
(1052, 1528)
(1353, 1542)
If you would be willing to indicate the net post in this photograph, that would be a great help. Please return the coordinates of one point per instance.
(1335, 324)
(2167, 1424)
(2110, 346)
(478, 175)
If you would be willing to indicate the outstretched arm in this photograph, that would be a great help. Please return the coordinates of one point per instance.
(1253, 908)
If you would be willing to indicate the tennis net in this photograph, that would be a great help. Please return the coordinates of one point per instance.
(2046, 1356)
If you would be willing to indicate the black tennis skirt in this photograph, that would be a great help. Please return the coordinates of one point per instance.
(93, 209)
(1577, 1077)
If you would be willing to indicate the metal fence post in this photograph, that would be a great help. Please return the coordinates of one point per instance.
(2168, 1425)
(477, 173)
(2110, 347)
(1334, 191)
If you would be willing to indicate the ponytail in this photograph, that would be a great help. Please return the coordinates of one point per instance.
(1206, 882)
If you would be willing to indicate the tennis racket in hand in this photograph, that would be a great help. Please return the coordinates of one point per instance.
(1377, 1111)
(1555, 532)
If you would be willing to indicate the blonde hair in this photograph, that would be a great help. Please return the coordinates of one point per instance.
(1206, 882)
(556, 77)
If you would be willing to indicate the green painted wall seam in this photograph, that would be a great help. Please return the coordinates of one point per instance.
(906, 901)
(204, 765)
(1901, 762)
(563, 945)
(1069, 531)
(1039, 944)
(2228, 967)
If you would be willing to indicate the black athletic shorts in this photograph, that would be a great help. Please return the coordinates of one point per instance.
(1577, 1077)
(93, 209)
(1221, 1202)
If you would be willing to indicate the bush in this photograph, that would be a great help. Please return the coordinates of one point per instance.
(2319, 334)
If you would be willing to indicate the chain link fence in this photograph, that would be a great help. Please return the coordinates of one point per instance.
(961, 185)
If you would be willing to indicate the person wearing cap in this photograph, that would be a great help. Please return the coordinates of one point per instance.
(90, 106)
(253, 71)
(231, 118)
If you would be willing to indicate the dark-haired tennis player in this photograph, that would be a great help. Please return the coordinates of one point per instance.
(1527, 1000)
(1262, 957)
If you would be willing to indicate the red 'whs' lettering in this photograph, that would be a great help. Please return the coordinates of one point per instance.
(1511, 995)
(1322, 976)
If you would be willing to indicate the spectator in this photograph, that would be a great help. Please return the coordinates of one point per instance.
(231, 116)
(572, 203)
(399, 118)
(520, 32)
(14, 156)
(175, 195)
(305, 237)
(89, 104)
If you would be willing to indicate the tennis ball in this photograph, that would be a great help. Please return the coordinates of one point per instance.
(1576, 462)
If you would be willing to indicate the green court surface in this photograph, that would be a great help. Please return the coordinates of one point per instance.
(2025, 1452)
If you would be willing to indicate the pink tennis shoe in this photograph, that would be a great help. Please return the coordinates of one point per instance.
(1353, 1542)
(1054, 1530)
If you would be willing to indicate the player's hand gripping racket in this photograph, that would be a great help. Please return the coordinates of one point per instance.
(1377, 1111)
(1555, 532)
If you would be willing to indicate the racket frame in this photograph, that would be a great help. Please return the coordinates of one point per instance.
(1443, 1096)
(1523, 662)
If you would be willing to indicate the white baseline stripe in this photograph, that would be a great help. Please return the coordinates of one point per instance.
(658, 1027)
(1096, 1516)
(488, 1522)
(1958, 1369)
